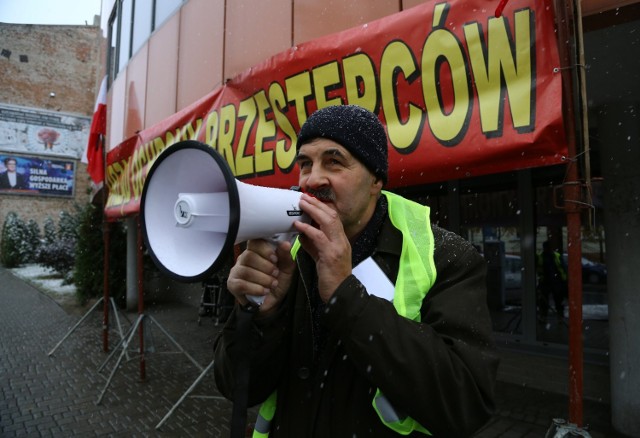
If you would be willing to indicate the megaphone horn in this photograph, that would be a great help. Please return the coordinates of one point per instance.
(193, 211)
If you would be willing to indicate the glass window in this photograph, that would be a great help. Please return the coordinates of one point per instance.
(130, 26)
(112, 59)
(552, 313)
(164, 9)
(595, 299)
(142, 23)
(489, 219)
(124, 43)
(552, 270)
(508, 217)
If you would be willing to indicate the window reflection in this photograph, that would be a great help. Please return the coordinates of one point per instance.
(124, 42)
(142, 23)
(490, 218)
(500, 247)
(164, 9)
(552, 326)
(112, 59)
(508, 230)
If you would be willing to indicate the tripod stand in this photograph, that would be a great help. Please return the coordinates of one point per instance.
(86, 315)
(213, 302)
(143, 321)
(186, 394)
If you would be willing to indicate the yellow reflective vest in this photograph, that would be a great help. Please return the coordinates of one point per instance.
(416, 275)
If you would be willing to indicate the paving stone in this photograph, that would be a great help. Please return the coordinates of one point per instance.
(42, 395)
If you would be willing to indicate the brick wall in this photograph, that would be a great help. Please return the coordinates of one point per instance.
(35, 61)
(41, 207)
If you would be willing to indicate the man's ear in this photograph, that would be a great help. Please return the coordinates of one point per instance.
(376, 186)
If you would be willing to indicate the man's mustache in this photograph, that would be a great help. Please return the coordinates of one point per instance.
(324, 194)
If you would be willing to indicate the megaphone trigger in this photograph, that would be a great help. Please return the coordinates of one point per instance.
(255, 299)
(274, 241)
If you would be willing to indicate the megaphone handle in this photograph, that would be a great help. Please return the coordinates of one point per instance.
(255, 300)
(274, 240)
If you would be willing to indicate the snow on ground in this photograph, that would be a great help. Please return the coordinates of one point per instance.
(44, 278)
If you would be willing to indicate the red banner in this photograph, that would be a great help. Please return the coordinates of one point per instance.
(461, 92)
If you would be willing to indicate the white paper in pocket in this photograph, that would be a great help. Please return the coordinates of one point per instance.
(374, 279)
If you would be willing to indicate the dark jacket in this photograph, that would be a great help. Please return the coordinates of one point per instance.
(21, 181)
(441, 372)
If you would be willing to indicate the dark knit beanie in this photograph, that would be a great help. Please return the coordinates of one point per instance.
(356, 129)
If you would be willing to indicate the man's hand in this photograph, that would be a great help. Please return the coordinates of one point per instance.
(262, 270)
(327, 243)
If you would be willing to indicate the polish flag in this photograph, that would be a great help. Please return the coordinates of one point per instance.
(94, 153)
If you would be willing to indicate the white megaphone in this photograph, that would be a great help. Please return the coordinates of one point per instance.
(194, 211)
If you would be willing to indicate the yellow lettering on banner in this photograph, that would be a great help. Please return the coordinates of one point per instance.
(138, 184)
(519, 77)
(397, 62)
(518, 73)
(189, 133)
(144, 157)
(448, 124)
(145, 153)
(148, 156)
(158, 145)
(360, 81)
(150, 153)
(211, 129)
(326, 78)
(299, 91)
(285, 154)
(119, 189)
(226, 133)
(112, 180)
(247, 112)
(136, 172)
(170, 139)
(265, 131)
(125, 184)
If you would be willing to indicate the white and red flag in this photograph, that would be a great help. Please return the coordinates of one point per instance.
(94, 154)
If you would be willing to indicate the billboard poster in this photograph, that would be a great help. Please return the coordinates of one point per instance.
(36, 176)
(41, 132)
(461, 92)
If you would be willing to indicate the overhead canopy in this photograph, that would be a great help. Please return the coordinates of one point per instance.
(461, 92)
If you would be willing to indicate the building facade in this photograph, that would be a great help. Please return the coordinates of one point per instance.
(164, 56)
(49, 76)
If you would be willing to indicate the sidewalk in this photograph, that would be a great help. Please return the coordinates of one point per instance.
(56, 395)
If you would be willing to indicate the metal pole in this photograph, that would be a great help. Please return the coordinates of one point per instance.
(140, 297)
(106, 238)
(125, 345)
(574, 250)
(186, 394)
(569, 38)
(172, 339)
(106, 228)
(86, 315)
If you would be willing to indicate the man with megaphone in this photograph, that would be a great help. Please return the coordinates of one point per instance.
(373, 322)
